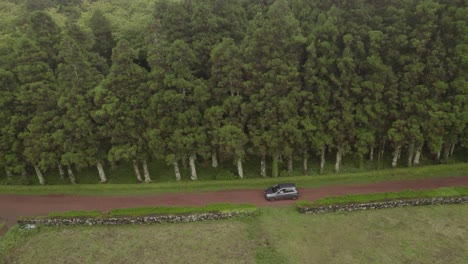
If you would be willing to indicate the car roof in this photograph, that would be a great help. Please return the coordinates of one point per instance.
(287, 185)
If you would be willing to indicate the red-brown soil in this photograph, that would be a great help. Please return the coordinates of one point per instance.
(14, 206)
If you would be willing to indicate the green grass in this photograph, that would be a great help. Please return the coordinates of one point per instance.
(375, 197)
(434, 171)
(94, 213)
(140, 211)
(430, 234)
(224, 207)
(214, 242)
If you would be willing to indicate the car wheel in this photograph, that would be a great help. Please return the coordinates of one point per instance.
(294, 197)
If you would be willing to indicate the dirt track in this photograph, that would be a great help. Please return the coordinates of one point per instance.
(14, 206)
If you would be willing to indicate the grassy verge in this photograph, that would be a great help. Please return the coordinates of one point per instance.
(225, 207)
(432, 234)
(452, 170)
(94, 213)
(376, 197)
(168, 210)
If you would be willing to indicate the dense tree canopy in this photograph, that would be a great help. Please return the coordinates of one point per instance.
(90, 83)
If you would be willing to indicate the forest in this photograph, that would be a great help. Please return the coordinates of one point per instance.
(91, 83)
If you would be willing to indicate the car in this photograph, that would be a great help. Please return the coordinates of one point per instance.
(282, 191)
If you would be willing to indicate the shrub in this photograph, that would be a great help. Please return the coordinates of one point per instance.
(225, 175)
(285, 173)
(304, 204)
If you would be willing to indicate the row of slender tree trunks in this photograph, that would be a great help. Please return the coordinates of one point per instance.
(413, 159)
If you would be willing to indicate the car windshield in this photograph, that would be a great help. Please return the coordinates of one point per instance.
(275, 188)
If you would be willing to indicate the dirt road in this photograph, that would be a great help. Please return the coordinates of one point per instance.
(14, 206)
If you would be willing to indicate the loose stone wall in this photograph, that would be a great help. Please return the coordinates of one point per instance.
(382, 205)
(131, 220)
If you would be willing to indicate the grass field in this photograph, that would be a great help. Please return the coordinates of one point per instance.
(433, 171)
(214, 242)
(433, 234)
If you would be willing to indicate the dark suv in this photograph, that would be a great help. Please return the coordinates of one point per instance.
(282, 191)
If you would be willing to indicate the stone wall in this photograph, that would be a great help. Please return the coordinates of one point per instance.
(382, 205)
(121, 220)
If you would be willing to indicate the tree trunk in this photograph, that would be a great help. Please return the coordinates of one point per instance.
(417, 156)
(39, 175)
(338, 161)
(371, 156)
(304, 165)
(452, 149)
(61, 171)
(290, 165)
(193, 170)
(102, 174)
(381, 154)
(24, 175)
(214, 160)
(438, 155)
(274, 170)
(379, 158)
(263, 166)
(240, 171)
(8, 173)
(146, 172)
(322, 160)
(137, 171)
(176, 170)
(361, 161)
(71, 175)
(411, 153)
(446, 151)
(395, 156)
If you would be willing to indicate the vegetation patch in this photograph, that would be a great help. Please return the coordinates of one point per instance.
(434, 234)
(13, 237)
(69, 214)
(427, 234)
(389, 196)
(201, 242)
(221, 207)
(452, 195)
